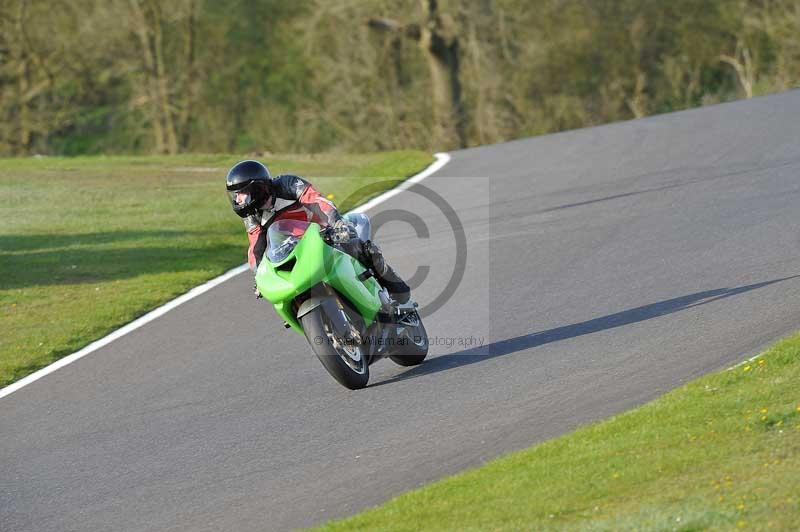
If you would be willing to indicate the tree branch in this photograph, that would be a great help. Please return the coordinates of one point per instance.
(384, 24)
(412, 31)
(743, 71)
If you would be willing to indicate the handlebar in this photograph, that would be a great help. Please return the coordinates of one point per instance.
(327, 234)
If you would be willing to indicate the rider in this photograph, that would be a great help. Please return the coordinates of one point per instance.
(261, 199)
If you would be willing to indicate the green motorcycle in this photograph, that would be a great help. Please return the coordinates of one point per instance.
(328, 296)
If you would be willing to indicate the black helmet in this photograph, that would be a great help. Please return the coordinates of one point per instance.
(248, 187)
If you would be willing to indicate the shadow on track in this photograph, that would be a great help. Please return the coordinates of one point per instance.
(529, 341)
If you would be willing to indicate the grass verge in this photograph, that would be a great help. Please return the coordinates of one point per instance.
(720, 453)
(88, 244)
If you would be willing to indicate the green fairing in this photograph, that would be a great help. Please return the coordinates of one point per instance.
(316, 262)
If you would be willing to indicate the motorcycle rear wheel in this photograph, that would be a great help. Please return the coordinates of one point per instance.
(412, 343)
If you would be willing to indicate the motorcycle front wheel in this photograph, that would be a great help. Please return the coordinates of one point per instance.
(344, 358)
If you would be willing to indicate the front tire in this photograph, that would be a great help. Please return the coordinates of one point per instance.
(412, 342)
(344, 359)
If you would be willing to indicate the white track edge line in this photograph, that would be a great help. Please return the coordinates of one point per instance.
(743, 362)
(441, 160)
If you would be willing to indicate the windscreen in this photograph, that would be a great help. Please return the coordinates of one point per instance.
(283, 235)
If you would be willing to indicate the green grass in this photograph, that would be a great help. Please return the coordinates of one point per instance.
(87, 244)
(720, 453)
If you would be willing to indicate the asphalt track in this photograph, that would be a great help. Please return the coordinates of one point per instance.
(604, 266)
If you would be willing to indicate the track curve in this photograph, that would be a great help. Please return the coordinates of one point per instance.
(603, 267)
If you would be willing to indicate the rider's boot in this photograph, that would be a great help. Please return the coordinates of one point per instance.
(385, 275)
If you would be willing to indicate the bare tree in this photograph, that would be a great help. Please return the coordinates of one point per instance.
(637, 102)
(147, 24)
(742, 63)
(438, 39)
(26, 79)
(189, 82)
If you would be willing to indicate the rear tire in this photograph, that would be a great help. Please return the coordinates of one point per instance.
(412, 344)
(345, 361)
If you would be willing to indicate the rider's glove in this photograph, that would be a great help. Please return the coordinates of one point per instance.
(256, 292)
(342, 231)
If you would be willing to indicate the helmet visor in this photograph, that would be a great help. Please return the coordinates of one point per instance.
(241, 198)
